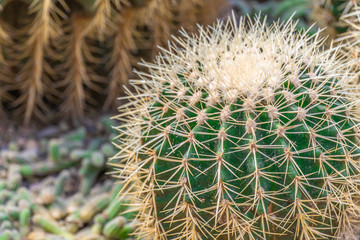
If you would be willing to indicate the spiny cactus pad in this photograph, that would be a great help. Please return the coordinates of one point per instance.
(243, 131)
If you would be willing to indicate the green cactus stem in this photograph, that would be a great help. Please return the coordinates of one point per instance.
(5, 235)
(52, 227)
(24, 221)
(60, 182)
(54, 150)
(85, 213)
(46, 168)
(113, 228)
(14, 177)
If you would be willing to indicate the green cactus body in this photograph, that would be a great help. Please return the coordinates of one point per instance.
(24, 221)
(241, 135)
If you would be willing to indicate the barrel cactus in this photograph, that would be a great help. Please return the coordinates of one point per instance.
(242, 131)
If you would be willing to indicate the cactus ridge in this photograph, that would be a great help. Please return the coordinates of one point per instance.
(243, 131)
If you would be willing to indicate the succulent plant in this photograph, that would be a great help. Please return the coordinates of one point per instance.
(327, 14)
(350, 20)
(56, 188)
(242, 131)
(62, 58)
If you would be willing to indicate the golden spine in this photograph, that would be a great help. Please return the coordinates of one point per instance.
(121, 56)
(77, 76)
(34, 76)
(102, 23)
(6, 74)
(160, 18)
(58, 56)
(187, 15)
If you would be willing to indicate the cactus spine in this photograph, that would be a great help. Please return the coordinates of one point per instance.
(243, 131)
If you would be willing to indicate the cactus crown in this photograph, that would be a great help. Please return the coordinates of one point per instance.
(243, 131)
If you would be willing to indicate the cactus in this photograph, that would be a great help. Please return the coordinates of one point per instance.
(52, 227)
(35, 74)
(243, 131)
(350, 20)
(67, 58)
(114, 227)
(24, 220)
(56, 188)
(54, 150)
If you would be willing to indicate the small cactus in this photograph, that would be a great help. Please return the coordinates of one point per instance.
(243, 131)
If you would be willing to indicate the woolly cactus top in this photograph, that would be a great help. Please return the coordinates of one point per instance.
(235, 60)
(242, 131)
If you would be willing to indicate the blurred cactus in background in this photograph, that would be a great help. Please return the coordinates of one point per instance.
(66, 58)
(53, 185)
(324, 14)
(328, 14)
(350, 19)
